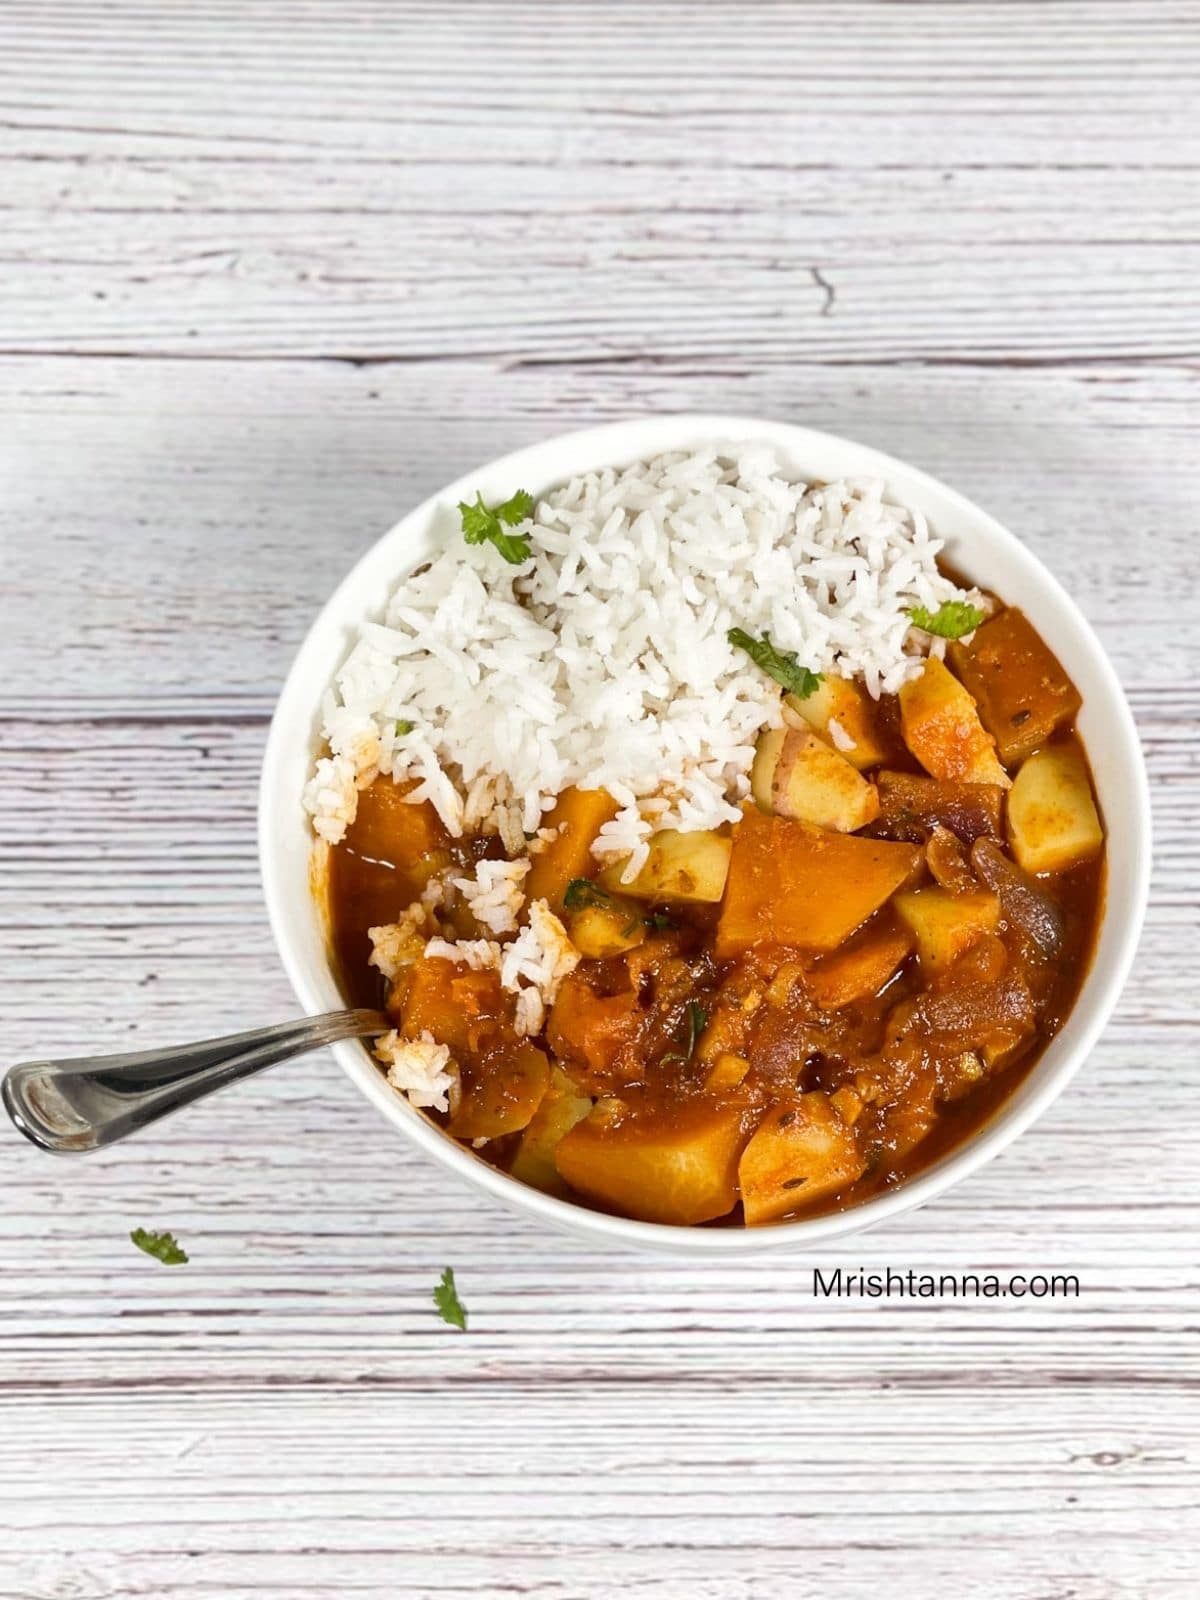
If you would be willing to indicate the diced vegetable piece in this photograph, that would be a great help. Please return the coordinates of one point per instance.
(680, 866)
(605, 928)
(861, 968)
(460, 1007)
(911, 805)
(947, 861)
(402, 833)
(969, 1014)
(1025, 904)
(846, 1102)
(798, 1154)
(796, 774)
(587, 1029)
(682, 1170)
(500, 1094)
(1022, 693)
(561, 1108)
(793, 884)
(727, 1071)
(845, 703)
(945, 924)
(578, 814)
(766, 759)
(1052, 818)
(942, 729)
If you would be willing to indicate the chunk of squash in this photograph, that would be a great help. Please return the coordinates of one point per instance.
(941, 727)
(463, 1009)
(586, 1029)
(680, 866)
(945, 924)
(793, 884)
(682, 1169)
(501, 1093)
(562, 1107)
(801, 1152)
(860, 968)
(578, 814)
(393, 831)
(848, 706)
(1022, 692)
(796, 774)
(1052, 819)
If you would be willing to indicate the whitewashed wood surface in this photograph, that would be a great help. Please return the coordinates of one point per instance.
(271, 272)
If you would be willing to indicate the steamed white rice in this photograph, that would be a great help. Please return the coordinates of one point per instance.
(603, 660)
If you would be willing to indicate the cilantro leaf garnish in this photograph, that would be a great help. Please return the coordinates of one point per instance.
(445, 1297)
(482, 523)
(951, 620)
(163, 1247)
(781, 665)
(582, 892)
(404, 727)
(697, 1021)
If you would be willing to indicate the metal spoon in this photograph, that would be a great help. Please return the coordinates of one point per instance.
(70, 1106)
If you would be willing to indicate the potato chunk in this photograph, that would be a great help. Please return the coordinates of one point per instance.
(1022, 693)
(562, 1107)
(793, 884)
(941, 727)
(796, 774)
(848, 706)
(681, 1169)
(1052, 818)
(601, 924)
(945, 924)
(799, 1153)
(680, 866)
(578, 814)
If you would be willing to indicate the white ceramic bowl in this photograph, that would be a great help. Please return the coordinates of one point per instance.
(976, 544)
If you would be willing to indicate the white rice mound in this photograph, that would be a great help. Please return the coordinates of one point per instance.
(603, 661)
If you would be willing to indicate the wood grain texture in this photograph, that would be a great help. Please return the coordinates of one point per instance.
(271, 273)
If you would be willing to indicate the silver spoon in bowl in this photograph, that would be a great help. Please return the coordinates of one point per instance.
(74, 1106)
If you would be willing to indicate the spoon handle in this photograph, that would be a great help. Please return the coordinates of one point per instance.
(69, 1106)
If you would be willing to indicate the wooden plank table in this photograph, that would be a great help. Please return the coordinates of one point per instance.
(270, 273)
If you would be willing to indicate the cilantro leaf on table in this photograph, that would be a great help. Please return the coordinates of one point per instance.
(449, 1307)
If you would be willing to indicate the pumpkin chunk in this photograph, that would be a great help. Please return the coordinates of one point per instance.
(578, 814)
(942, 729)
(1022, 693)
(861, 968)
(682, 1170)
(797, 885)
(799, 1153)
(460, 1007)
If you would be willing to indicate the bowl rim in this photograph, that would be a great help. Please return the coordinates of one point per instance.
(615, 443)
